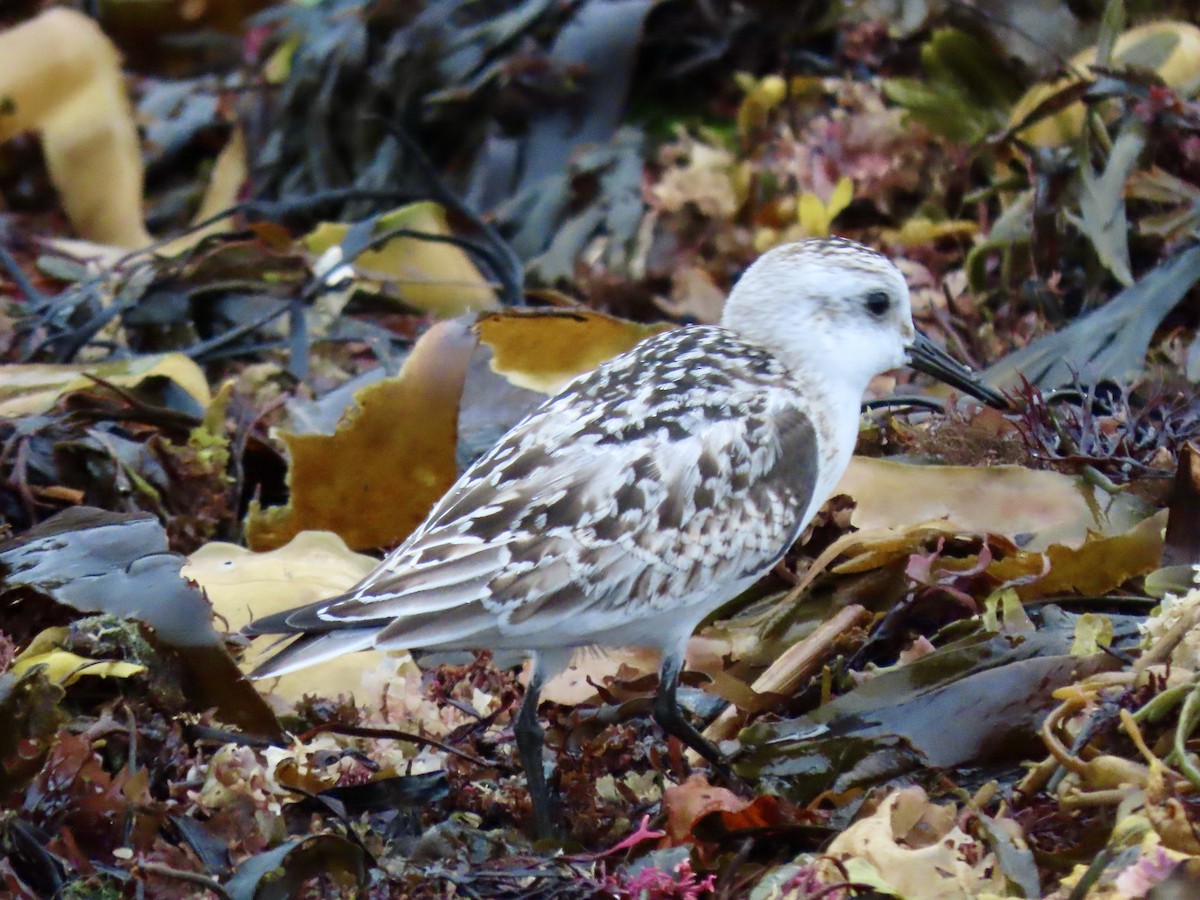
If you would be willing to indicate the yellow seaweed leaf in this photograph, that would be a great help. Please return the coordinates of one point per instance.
(31, 389)
(62, 667)
(391, 458)
(911, 847)
(921, 231)
(229, 173)
(1100, 564)
(542, 350)
(1003, 611)
(816, 216)
(431, 276)
(61, 78)
(1039, 508)
(1093, 632)
(765, 94)
(242, 585)
(65, 668)
(1170, 49)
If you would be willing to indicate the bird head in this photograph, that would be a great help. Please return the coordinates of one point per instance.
(836, 307)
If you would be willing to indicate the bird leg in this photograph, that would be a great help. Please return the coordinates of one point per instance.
(670, 718)
(530, 739)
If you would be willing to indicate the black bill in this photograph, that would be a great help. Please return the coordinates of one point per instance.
(926, 356)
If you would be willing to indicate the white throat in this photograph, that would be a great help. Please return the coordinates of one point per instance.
(829, 381)
(835, 314)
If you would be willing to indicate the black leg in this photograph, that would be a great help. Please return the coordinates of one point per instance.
(529, 737)
(670, 718)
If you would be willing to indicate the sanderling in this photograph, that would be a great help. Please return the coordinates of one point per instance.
(647, 493)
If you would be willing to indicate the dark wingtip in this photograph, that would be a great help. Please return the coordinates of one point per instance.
(296, 620)
(277, 623)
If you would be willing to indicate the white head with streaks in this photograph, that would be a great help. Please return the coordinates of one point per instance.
(828, 306)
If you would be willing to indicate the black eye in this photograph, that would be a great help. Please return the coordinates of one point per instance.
(878, 302)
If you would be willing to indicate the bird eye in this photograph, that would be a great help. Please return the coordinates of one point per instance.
(878, 302)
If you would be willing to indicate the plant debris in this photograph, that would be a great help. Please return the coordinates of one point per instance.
(266, 290)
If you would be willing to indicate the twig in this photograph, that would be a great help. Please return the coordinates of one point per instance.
(204, 348)
(204, 881)
(842, 886)
(790, 670)
(389, 734)
(392, 233)
(268, 210)
(20, 279)
(1165, 646)
(500, 254)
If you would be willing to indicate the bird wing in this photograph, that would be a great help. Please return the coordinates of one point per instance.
(685, 463)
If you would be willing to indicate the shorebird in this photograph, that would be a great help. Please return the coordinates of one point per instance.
(647, 493)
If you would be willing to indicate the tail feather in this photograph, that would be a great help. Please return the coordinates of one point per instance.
(313, 649)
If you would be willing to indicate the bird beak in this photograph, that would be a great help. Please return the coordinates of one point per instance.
(926, 356)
